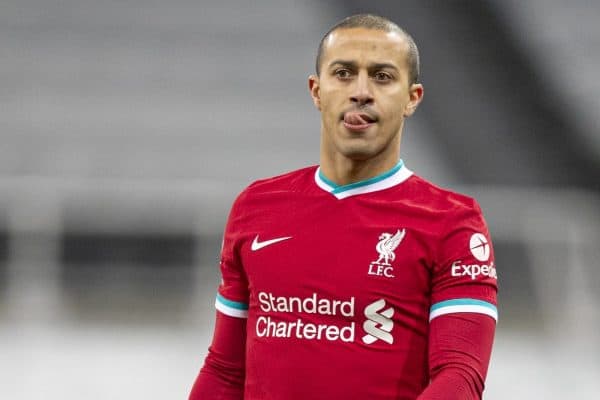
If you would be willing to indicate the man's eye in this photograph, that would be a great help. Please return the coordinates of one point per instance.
(342, 73)
(382, 76)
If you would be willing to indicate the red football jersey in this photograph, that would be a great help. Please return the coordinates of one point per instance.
(340, 283)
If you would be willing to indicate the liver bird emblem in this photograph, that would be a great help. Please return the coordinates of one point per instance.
(386, 246)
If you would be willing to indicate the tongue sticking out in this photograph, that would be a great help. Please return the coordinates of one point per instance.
(357, 121)
(354, 118)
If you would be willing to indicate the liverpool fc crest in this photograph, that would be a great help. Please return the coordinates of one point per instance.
(385, 247)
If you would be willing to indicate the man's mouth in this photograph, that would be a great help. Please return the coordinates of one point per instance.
(358, 121)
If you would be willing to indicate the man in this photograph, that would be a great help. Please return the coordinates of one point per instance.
(355, 279)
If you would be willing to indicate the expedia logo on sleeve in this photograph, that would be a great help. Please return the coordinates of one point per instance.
(480, 248)
(474, 270)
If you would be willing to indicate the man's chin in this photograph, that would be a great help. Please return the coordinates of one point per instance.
(358, 153)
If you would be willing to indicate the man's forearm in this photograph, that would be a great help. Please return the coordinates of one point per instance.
(454, 383)
(217, 383)
(459, 355)
(222, 376)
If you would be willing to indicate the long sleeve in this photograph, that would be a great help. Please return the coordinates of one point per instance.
(460, 346)
(222, 376)
(463, 311)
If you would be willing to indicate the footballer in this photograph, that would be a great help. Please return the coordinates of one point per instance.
(356, 278)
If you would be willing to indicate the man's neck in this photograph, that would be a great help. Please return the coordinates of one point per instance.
(344, 171)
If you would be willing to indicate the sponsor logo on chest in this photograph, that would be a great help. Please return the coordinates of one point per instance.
(276, 321)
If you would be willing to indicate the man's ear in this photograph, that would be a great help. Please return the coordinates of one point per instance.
(315, 90)
(416, 95)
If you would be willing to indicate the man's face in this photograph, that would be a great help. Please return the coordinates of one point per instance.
(363, 93)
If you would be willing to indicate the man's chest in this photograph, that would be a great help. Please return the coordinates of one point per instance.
(355, 250)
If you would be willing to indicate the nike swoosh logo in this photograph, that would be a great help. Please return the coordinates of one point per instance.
(256, 245)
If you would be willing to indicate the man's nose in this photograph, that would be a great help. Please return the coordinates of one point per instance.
(362, 94)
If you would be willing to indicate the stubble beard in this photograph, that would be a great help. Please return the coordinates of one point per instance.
(364, 147)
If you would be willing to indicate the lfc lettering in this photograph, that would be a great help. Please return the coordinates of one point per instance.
(381, 270)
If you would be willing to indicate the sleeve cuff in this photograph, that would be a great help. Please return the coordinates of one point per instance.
(231, 308)
(463, 306)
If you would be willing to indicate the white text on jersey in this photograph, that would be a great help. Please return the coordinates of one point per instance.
(474, 270)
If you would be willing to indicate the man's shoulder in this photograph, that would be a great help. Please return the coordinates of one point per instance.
(440, 197)
(291, 181)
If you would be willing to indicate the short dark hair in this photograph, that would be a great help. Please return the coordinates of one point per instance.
(375, 22)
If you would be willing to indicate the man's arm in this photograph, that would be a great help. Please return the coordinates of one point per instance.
(460, 346)
(222, 376)
(464, 311)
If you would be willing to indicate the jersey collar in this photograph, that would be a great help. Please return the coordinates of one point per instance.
(393, 177)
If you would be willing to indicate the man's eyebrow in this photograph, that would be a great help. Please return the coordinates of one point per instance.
(383, 66)
(352, 64)
(345, 63)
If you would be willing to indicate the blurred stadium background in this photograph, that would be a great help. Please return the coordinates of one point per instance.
(128, 127)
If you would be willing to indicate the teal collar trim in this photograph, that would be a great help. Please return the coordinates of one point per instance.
(342, 188)
(394, 176)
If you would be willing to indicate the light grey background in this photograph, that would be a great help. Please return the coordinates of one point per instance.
(127, 129)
